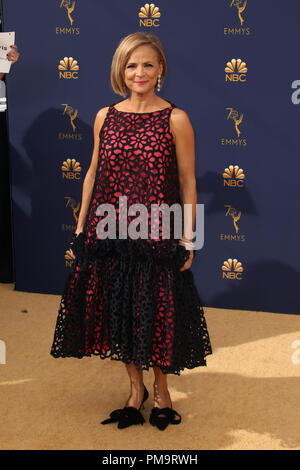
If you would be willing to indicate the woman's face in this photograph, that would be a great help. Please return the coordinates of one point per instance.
(142, 70)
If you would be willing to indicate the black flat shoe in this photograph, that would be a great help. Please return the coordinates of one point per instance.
(162, 417)
(128, 415)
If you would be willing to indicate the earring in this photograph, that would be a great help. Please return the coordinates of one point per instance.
(158, 83)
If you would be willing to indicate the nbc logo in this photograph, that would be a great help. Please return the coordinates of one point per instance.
(71, 169)
(234, 176)
(235, 71)
(68, 259)
(232, 269)
(149, 15)
(68, 68)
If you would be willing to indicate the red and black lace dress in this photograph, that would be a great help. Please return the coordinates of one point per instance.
(125, 298)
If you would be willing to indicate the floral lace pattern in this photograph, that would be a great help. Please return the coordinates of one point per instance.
(127, 298)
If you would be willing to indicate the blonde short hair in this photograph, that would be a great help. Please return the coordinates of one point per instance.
(123, 52)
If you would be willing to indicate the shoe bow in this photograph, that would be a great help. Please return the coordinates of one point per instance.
(114, 416)
(127, 414)
(161, 417)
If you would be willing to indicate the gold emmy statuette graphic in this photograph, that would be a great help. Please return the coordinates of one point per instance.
(149, 15)
(75, 207)
(240, 8)
(234, 115)
(70, 8)
(235, 216)
(71, 113)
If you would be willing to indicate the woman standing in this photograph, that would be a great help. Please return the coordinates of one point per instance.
(134, 299)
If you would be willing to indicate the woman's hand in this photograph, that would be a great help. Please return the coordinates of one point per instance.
(77, 232)
(13, 55)
(188, 263)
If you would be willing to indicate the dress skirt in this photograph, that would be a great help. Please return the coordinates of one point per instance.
(128, 300)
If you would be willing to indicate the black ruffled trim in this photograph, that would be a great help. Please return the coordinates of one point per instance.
(166, 252)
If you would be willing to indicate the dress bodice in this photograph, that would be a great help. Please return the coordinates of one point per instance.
(137, 159)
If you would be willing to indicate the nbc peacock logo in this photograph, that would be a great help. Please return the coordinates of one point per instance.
(71, 169)
(149, 15)
(235, 71)
(234, 176)
(68, 259)
(232, 269)
(68, 68)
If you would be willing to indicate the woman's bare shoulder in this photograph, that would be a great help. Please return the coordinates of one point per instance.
(102, 112)
(179, 118)
(179, 114)
(100, 117)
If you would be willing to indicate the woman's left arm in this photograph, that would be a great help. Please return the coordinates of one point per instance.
(183, 133)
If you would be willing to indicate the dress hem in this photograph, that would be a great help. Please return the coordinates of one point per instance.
(144, 367)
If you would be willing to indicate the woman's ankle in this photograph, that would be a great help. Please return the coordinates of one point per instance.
(162, 386)
(136, 384)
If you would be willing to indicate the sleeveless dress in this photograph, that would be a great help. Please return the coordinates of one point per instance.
(126, 298)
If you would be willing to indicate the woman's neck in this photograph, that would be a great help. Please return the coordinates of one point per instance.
(142, 103)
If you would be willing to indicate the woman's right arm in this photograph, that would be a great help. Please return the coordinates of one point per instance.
(89, 179)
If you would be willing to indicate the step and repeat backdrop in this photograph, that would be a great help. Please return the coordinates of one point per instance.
(232, 66)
